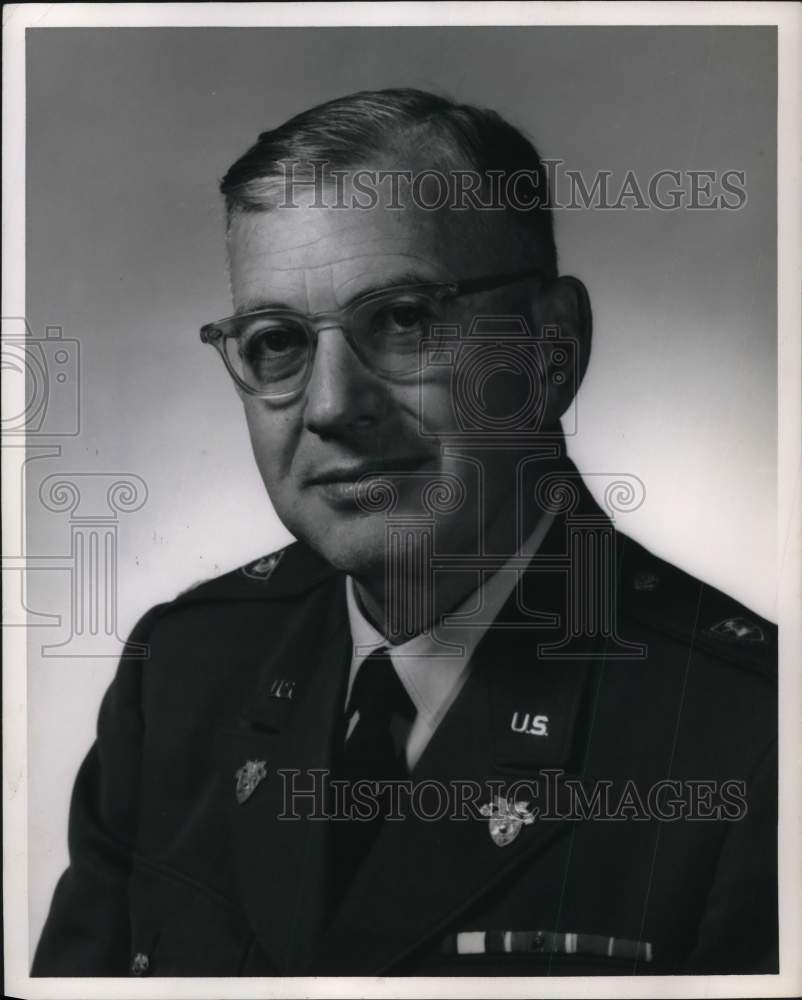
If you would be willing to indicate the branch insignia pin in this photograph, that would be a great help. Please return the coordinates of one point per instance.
(505, 819)
(248, 777)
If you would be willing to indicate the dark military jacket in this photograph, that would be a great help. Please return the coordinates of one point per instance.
(653, 849)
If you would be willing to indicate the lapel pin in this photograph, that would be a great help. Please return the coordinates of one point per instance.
(506, 819)
(248, 777)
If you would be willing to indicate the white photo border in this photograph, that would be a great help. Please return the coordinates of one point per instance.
(788, 20)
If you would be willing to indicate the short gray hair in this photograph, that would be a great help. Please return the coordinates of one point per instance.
(348, 131)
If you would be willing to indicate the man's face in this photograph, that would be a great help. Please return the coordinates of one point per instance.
(349, 421)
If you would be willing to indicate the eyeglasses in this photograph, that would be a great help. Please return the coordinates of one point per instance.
(269, 352)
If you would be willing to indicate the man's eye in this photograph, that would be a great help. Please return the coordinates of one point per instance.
(405, 317)
(272, 342)
(400, 320)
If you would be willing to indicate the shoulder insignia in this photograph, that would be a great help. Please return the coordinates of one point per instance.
(646, 581)
(739, 630)
(300, 571)
(667, 598)
(262, 569)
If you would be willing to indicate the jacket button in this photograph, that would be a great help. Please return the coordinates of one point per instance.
(140, 964)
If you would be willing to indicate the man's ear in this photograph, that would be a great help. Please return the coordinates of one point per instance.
(564, 327)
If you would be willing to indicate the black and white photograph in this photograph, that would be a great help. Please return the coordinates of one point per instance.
(401, 505)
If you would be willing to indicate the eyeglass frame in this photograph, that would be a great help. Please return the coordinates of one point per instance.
(215, 335)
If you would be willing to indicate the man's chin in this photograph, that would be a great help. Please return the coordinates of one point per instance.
(357, 548)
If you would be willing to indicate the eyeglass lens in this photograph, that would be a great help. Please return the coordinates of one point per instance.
(272, 352)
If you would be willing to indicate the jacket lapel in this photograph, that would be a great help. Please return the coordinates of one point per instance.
(421, 874)
(281, 853)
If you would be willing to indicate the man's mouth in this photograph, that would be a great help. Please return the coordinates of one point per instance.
(342, 483)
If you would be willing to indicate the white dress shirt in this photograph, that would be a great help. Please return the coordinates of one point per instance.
(433, 676)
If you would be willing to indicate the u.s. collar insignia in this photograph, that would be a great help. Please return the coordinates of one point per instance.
(282, 689)
(506, 819)
(248, 777)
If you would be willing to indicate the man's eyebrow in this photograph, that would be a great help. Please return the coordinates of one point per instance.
(397, 281)
(256, 305)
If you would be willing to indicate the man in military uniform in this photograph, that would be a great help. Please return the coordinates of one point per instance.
(458, 618)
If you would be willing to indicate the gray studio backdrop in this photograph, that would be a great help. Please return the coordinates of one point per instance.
(128, 132)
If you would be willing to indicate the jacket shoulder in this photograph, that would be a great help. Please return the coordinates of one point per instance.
(665, 598)
(286, 573)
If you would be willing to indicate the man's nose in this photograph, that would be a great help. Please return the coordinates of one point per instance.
(342, 394)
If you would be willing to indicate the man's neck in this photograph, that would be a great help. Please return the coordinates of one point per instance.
(431, 596)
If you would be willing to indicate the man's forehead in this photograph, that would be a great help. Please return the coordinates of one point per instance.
(349, 240)
(315, 234)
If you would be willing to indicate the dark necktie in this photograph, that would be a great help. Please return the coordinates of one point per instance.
(372, 752)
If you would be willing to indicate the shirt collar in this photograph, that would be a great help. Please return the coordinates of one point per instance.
(431, 665)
